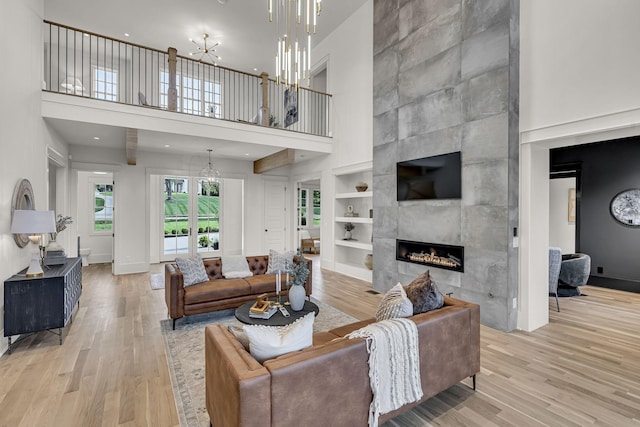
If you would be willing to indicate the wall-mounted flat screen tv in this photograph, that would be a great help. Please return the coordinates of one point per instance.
(436, 177)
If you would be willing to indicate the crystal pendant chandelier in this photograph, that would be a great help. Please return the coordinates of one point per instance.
(210, 175)
(295, 19)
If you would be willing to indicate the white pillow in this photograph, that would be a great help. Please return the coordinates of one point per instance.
(394, 304)
(235, 267)
(267, 342)
(279, 261)
(237, 274)
(192, 270)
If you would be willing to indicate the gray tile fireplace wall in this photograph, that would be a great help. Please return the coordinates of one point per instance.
(446, 79)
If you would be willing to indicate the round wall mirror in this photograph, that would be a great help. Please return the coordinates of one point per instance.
(22, 200)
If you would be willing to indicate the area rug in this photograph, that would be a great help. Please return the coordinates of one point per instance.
(184, 348)
(157, 281)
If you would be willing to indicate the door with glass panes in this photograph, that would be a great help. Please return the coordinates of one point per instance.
(191, 222)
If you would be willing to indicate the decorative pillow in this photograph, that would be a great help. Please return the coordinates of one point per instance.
(240, 335)
(424, 294)
(279, 261)
(394, 304)
(267, 342)
(192, 269)
(235, 267)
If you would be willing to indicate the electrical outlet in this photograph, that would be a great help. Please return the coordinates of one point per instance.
(600, 270)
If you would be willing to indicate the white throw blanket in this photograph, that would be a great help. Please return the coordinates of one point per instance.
(394, 365)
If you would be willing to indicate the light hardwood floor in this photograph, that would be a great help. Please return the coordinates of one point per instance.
(582, 369)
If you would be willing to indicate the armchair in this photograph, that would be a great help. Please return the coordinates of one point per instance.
(308, 242)
(555, 262)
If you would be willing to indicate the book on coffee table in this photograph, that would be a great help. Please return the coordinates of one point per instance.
(266, 315)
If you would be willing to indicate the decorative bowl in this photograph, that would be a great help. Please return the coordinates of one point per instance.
(361, 186)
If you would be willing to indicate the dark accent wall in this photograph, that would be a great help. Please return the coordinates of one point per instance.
(446, 79)
(607, 169)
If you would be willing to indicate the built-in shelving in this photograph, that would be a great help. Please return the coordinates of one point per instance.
(354, 219)
(349, 255)
(354, 244)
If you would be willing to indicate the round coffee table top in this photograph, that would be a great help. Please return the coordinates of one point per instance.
(242, 314)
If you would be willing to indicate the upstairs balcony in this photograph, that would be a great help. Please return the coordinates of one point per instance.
(89, 67)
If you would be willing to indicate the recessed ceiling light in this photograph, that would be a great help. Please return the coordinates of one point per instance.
(255, 69)
(246, 154)
(99, 173)
(126, 34)
(97, 138)
(166, 146)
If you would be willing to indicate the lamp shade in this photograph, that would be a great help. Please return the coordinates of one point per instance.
(33, 222)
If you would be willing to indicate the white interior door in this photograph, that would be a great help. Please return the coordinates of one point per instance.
(275, 215)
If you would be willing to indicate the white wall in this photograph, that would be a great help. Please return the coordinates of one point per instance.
(578, 84)
(579, 59)
(562, 233)
(25, 136)
(348, 52)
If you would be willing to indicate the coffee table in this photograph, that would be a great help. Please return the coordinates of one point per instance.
(242, 314)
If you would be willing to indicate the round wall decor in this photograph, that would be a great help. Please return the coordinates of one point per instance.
(22, 200)
(625, 207)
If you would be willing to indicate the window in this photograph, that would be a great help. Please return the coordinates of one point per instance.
(195, 96)
(316, 208)
(103, 208)
(308, 208)
(105, 84)
(302, 207)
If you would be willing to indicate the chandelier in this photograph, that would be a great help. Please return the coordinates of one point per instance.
(210, 175)
(295, 19)
(205, 50)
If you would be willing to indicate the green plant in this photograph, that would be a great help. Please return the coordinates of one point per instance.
(348, 226)
(174, 231)
(185, 231)
(200, 230)
(204, 241)
(299, 271)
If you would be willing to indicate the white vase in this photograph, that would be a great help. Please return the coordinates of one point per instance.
(297, 296)
(347, 235)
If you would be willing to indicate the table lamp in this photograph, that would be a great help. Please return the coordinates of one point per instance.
(35, 224)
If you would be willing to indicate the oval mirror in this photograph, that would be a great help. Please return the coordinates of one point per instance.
(22, 200)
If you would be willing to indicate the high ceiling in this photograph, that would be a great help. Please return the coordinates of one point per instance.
(242, 27)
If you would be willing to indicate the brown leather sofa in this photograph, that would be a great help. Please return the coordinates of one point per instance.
(328, 384)
(220, 293)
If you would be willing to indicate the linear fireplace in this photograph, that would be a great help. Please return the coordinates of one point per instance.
(437, 255)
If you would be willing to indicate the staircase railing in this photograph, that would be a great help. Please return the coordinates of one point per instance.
(82, 63)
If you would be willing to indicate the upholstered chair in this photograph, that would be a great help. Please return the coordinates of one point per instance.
(308, 242)
(555, 262)
(574, 272)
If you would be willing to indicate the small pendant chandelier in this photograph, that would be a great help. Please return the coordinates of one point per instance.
(210, 175)
(203, 50)
(294, 20)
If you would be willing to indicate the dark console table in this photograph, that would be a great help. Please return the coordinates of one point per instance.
(42, 303)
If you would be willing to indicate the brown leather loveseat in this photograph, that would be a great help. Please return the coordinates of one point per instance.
(328, 383)
(220, 293)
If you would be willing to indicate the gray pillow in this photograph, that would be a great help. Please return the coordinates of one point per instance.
(424, 294)
(192, 270)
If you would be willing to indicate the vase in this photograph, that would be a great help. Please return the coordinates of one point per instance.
(347, 235)
(368, 261)
(297, 295)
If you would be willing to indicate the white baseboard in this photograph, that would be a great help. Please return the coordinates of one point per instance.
(137, 267)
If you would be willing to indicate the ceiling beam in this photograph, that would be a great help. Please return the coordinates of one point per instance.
(132, 146)
(276, 160)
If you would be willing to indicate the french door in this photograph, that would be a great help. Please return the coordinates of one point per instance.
(191, 218)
